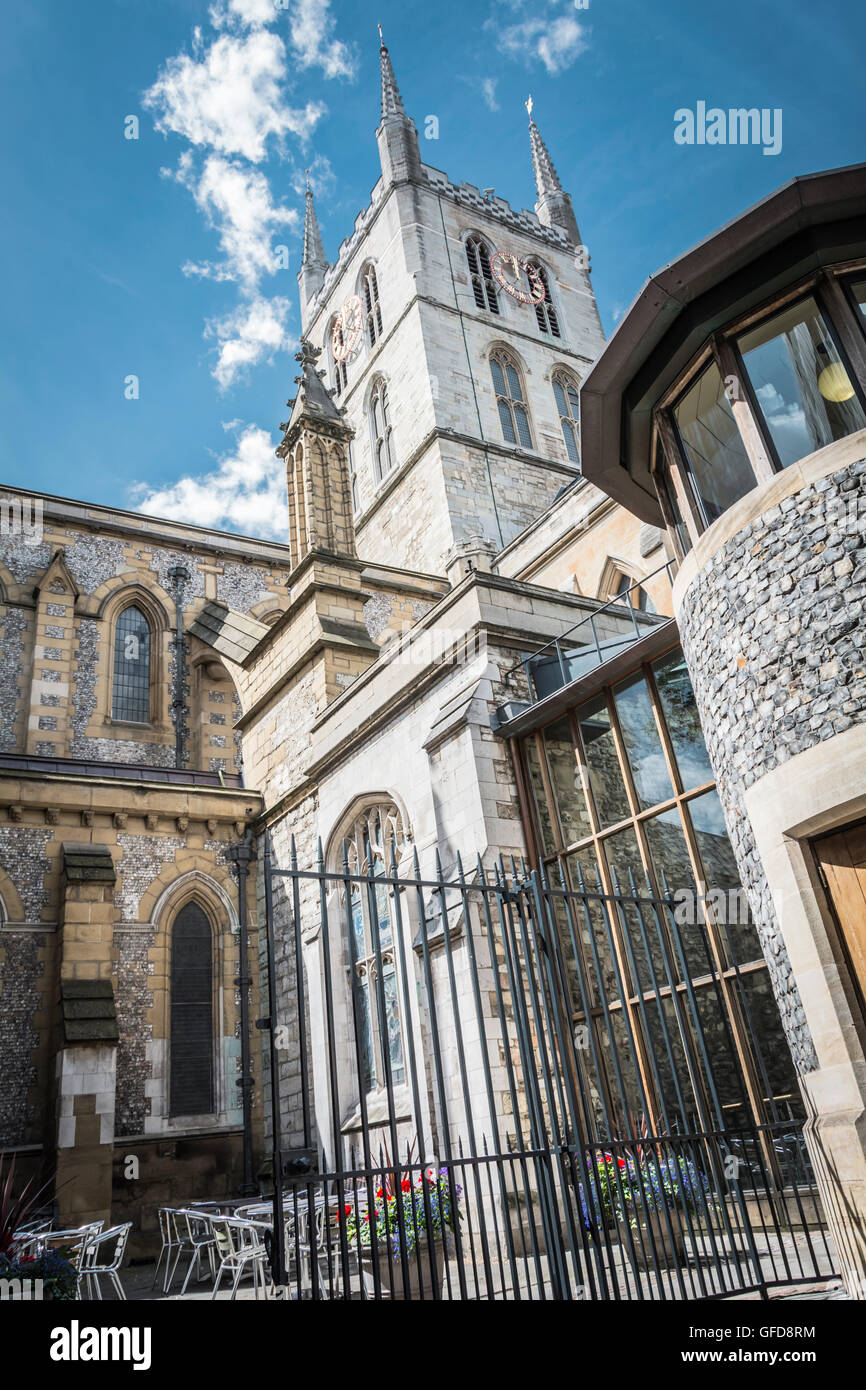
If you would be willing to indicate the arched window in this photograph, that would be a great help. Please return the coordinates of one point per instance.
(568, 404)
(633, 593)
(372, 308)
(335, 336)
(373, 845)
(545, 313)
(191, 1084)
(510, 399)
(131, 687)
(483, 288)
(380, 430)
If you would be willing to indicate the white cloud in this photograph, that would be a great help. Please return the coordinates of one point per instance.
(246, 491)
(555, 40)
(230, 96)
(311, 30)
(237, 201)
(252, 333)
(488, 91)
(255, 14)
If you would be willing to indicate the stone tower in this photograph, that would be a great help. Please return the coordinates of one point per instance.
(444, 371)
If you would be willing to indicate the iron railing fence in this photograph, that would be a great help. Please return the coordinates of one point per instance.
(526, 1135)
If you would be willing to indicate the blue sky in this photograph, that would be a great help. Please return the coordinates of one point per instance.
(153, 257)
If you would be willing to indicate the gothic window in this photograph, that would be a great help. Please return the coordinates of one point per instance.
(373, 846)
(191, 1044)
(633, 593)
(131, 687)
(510, 399)
(341, 376)
(568, 404)
(372, 308)
(483, 288)
(380, 429)
(545, 313)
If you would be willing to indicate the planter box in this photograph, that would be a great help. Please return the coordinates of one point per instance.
(652, 1235)
(420, 1283)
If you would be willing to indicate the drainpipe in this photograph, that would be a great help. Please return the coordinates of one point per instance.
(179, 573)
(242, 855)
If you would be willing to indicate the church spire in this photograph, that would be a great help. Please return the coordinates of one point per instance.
(314, 251)
(392, 102)
(397, 137)
(554, 204)
(314, 262)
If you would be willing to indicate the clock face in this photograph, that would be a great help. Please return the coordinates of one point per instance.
(509, 271)
(347, 328)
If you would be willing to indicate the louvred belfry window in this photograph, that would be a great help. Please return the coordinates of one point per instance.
(510, 400)
(341, 375)
(372, 307)
(483, 288)
(380, 427)
(545, 313)
(191, 1086)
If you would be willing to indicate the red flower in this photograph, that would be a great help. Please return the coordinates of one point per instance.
(406, 1185)
(621, 1162)
(347, 1210)
(378, 1192)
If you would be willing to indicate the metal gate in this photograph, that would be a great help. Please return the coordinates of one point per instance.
(453, 1132)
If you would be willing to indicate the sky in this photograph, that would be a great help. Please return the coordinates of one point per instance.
(153, 168)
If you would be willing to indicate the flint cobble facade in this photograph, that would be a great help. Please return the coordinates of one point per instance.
(773, 632)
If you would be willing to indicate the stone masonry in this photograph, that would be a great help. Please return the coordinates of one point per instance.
(772, 629)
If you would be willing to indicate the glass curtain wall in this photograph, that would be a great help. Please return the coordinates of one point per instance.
(625, 804)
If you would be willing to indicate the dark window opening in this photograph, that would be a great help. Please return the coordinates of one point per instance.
(192, 1079)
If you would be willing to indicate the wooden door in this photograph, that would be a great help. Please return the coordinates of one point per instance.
(842, 857)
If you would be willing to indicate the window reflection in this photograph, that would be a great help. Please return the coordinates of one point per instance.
(726, 895)
(643, 745)
(608, 791)
(719, 469)
(673, 870)
(543, 820)
(858, 291)
(681, 718)
(565, 780)
(801, 384)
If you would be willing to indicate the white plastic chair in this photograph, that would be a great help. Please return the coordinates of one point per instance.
(92, 1267)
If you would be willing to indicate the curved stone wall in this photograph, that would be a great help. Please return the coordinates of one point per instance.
(773, 631)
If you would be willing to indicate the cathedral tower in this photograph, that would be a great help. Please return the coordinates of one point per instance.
(454, 331)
